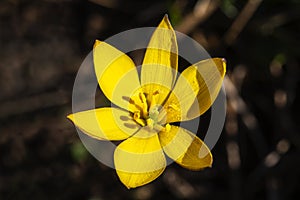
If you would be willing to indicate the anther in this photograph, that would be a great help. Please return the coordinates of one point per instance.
(154, 99)
(142, 97)
(168, 127)
(144, 104)
(137, 118)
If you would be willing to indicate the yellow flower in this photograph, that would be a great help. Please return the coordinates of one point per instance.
(147, 105)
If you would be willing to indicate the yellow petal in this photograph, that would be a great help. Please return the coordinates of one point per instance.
(133, 180)
(105, 123)
(116, 73)
(185, 148)
(139, 159)
(161, 59)
(196, 89)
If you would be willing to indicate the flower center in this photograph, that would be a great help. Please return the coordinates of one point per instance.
(149, 112)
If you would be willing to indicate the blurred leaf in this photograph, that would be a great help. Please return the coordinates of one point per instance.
(78, 151)
(175, 13)
(228, 8)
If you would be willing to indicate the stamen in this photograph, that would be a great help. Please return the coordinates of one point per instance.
(168, 127)
(154, 99)
(137, 118)
(144, 104)
(165, 128)
(136, 115)
(156, 92)
(142, 97)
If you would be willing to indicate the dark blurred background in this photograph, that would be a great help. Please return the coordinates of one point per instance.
(42, 44)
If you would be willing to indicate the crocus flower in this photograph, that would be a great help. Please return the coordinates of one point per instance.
(147, 105)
